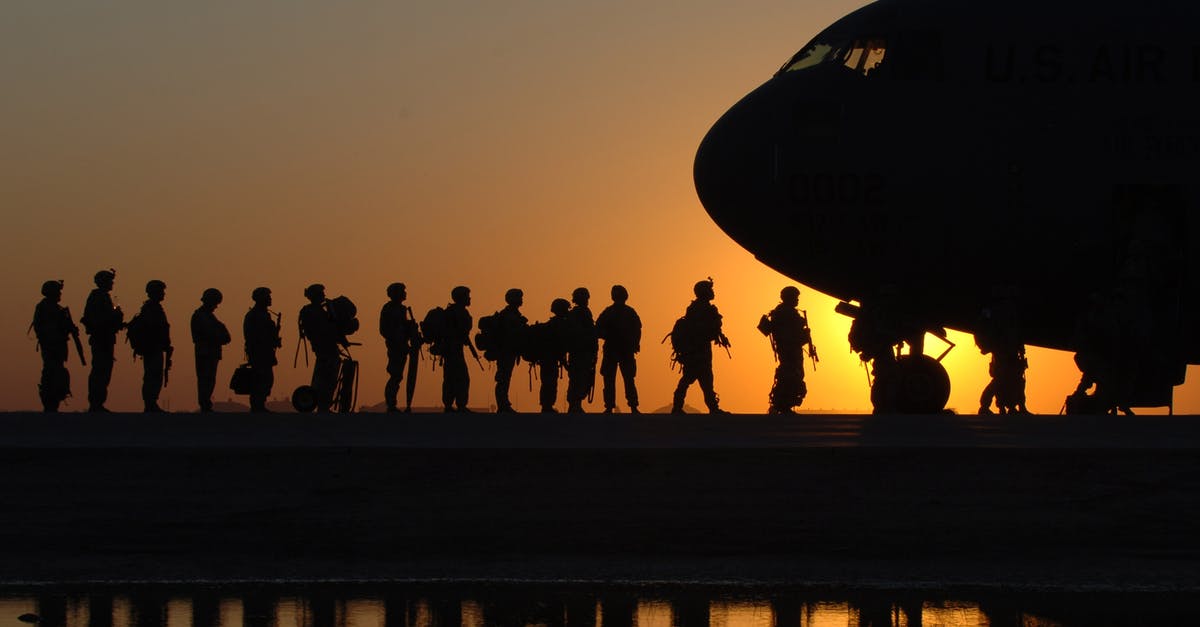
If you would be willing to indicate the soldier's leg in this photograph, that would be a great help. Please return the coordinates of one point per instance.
(264, 380)
(705, 378)
(324, 380)
(548, 393)
(608, 375)
(206, 381)
(55, 383)
(395, 370)
(100, 375)
(628, 366)
(504, 371)
(686, 379)
(462, 392)
(152, 380)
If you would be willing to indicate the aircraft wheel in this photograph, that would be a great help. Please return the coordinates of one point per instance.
(923, 386)
(304, 399)
(913, 384)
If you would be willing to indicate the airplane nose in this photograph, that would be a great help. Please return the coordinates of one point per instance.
(736, 164)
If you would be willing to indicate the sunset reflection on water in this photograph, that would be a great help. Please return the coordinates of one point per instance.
(523, 607)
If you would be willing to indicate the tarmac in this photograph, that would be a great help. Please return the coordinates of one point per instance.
(912, 502)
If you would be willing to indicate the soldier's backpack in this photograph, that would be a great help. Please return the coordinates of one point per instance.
(344, 314)
(434, 329)
(488, 339)
(137, 334)
(686, 338)
(538, 344)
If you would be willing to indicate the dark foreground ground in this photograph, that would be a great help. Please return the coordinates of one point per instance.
(1039, 502)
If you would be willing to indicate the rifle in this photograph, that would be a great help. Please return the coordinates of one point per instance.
(167, 366)
(75, 336)
(724, 343)
(475, 354)
(812, 348)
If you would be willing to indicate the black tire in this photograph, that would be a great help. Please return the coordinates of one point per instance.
(923, 385)
(304, 399)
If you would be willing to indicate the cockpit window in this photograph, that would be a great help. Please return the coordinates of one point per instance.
(861, 55)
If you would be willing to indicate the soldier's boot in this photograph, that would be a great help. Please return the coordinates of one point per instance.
(713, 404)
(677, 402)
(633, 409)
(575, 408)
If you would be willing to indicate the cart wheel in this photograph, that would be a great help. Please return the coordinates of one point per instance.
(304, 399)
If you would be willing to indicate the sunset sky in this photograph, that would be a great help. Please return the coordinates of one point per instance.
(532, 144)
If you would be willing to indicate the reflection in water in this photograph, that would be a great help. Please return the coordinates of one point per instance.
(511, 606)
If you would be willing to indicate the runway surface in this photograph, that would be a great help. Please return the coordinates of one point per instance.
(887, 501)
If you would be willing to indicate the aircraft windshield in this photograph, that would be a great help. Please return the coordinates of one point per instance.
(860, 55)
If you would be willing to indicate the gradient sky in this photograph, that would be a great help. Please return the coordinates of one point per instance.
(533, 144)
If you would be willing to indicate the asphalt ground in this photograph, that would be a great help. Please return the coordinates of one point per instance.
(855, 500)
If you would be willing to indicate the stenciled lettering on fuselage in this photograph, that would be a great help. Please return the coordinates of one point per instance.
(1108, 63)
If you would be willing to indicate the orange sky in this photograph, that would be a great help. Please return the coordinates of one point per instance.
(527, 144)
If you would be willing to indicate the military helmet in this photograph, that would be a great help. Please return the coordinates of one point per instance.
(104, 276)
(514, 296)
(52, 287)
(580, 295)
(154, 286)
(316, 290)
(619, 293)
(260, 293)
(211, 296)
(560, 306)
(460, 293)
(789, 292)
(704, 289)
(395, 290)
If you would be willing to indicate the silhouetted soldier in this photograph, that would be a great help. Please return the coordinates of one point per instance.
(998, 332)
(153, 334)
(621, 329)
(53, 327)
(511, 326)
(789, 334)
(318, 327)
(262, 339)
(400, 335)
(582, 353)
(102, 321)
(208, 335)
(552, 353)
(703, 322)
(456, 381)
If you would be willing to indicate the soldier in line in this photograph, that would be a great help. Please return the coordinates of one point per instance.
(621, 329)
(399, 331)
(53, 327)
(102, 321)
(552, 338)
(208, 335)
(153, 343)
(456, 381)
(511, 326)
(318, 327)
(262, 339)
(789, 334)
(702, 324)
(998, 332)
(582, 353)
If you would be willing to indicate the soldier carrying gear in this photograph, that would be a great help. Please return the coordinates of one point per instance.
(262, 339)
(789, 333)
(208, 335)
(53, 326)
(318, 327)
(583, 351)
(621, 329)
(510, 328)
(402, 339)
(456, 378)
(153, 343)
(102, 321)
(702, 326)
(554, 337)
